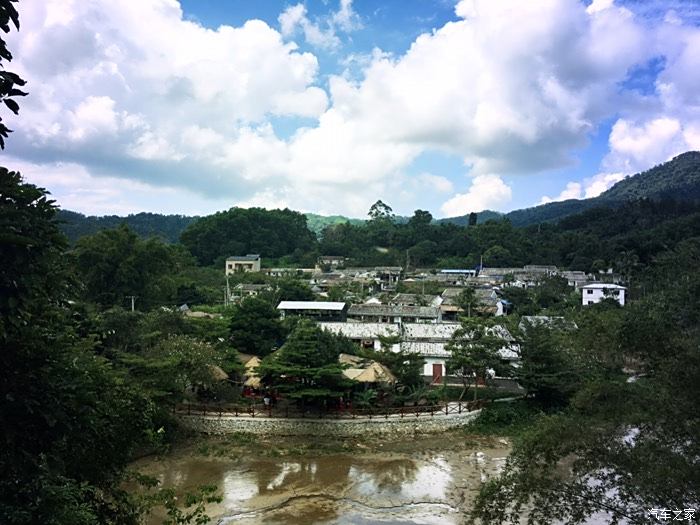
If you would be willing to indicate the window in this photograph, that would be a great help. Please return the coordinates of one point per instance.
(589, 292)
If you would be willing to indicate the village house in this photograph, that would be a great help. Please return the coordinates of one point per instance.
(448, 305)
(329, 262)
(243, 263)
(596, 292)
(243, 290)
(412, 299)
(387, 277)
(365, 335)
(427, 339)
(576, 279)
(287, 272)
(387, 313)
(317, 310)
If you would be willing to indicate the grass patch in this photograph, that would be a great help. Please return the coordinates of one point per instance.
(452, 393)
(505, 419)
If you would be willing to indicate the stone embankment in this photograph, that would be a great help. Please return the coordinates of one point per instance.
(393, 424)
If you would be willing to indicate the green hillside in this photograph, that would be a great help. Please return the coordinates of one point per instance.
(317, 223)
(166, 227)
(481, 217)
(677, 179)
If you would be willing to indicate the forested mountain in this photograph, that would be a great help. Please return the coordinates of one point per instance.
(317, 223)
(677, 180)
(238, 231)
(481, 217)
(166, 227)
(551, 212)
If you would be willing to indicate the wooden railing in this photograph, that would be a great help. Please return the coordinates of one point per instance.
(292, 411)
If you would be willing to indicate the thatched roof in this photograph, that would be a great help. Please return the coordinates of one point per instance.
(366, 370)
(217, 373)
(252, 379)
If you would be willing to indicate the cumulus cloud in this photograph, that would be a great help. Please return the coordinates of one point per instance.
(321, 33)
(573, 190)
(600, 182)
(485, 192)
(137, 91)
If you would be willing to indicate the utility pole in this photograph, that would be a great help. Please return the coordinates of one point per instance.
(228, 293)
(133, 300)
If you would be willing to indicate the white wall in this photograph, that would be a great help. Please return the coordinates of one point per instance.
(595, 295)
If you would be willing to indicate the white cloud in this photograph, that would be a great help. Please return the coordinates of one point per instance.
(76, 189)
(435, 182)
(321, 33)
(601, 182)
(134, 90)
(346, 18)
(485, 192)
(590, 187)
(573, 190)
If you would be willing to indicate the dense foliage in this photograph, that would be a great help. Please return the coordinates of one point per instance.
(624, 443)
(272, 234)
(306, 368)
(70, 422)
(166, 227)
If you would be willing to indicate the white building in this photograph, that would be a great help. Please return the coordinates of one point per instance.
(596, 292)
(243, 263)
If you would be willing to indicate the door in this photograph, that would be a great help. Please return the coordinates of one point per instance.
(437, 373)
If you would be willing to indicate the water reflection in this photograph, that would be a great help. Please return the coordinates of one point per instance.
(396, 487)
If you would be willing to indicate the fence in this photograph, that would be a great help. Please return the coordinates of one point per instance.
(292, 411)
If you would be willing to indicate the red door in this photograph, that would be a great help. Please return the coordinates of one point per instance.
(437, 373)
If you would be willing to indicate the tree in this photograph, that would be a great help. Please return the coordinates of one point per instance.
(293, 290)
(238, 231)
(547, 369)
(8, 80)
(173, 367)
(467, 299)
(255, 327)
(116, 264)
(70, 421)
(625, 444)
(379, 211)
(474, 353)
(472, 219)
(306, 368)
(407, 367)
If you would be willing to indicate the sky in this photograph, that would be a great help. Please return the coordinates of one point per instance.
(326, 106)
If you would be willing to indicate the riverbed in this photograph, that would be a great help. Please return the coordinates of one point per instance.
(431, 479)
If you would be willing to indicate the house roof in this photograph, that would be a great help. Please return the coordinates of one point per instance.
(433, 348)
(362, 330)
(249, 257)
(549, 321)
(251, 287)
(398, 310)
(311, 305)
(424, 331)
(603, 286)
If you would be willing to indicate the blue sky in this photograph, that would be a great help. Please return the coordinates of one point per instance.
(328, 105)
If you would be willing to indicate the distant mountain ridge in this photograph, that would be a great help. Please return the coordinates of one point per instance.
(167, 227)
(677, 179)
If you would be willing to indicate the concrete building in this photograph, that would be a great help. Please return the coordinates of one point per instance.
(243, 263)
(317, 310)
(596, 292)
(387, 313)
